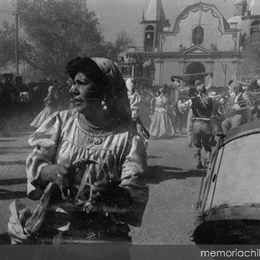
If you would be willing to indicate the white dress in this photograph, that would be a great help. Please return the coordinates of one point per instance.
(120, 152)
(161, 121)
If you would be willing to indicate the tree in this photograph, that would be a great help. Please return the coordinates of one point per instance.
(122, 43)
(57, 31)
(7, 46)
(52, 32)
(251, 55)
(6, 49)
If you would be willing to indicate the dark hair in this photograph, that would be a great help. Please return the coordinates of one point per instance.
(88, 67)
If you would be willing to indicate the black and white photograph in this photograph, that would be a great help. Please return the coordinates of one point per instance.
(127, 123)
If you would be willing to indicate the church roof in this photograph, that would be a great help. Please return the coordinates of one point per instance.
(196, 50)
(224, 25)
(155, 11)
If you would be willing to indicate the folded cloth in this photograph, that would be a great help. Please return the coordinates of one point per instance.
(23, 225)
(15, 227)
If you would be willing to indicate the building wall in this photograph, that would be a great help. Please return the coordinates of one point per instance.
(224, 70)
(218, 40)
(213, 34)
(245, 27)
(168, 68)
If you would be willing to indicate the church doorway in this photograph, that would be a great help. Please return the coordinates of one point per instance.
(195, 67)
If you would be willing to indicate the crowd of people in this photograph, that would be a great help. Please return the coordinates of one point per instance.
(88, 164)
(139, 66)
(203, 109)
(27, 100)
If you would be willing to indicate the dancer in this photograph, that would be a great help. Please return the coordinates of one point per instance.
(51, 105)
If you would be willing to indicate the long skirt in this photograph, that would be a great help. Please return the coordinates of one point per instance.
(161, 125)
(42, 116)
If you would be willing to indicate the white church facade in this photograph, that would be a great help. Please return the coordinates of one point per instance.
(201, 41)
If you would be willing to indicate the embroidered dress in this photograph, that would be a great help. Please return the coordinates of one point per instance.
(120, 152)
(161, 122)
(51, 106)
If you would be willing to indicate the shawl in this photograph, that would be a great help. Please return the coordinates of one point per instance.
(108, 78)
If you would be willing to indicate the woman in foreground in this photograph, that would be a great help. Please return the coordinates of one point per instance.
(91, 159)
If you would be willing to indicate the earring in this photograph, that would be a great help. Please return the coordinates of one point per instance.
(103, 103)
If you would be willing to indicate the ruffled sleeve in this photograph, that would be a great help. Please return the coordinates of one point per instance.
(44, 140)
(133, 178)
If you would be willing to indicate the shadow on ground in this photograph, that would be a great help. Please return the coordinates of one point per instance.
(9, 195)
(13, 163)
(160, 173)
(13, 181)
(153, 157)
(19, 133)
(15, 148)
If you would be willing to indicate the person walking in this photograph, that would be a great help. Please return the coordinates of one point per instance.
(238, 101)
(161, 121)
(201, 107)
(192, 93)
(135, 103)
(51, 105)
(180, 114)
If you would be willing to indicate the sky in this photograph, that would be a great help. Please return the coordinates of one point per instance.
(125, 15)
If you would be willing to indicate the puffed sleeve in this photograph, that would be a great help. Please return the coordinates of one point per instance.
(44, 140)
(133, 178)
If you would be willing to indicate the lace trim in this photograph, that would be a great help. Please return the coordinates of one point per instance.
(93, 131)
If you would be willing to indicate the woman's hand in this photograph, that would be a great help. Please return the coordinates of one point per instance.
(98, 189)
(54, 173)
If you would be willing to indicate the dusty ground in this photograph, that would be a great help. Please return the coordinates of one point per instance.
(174, 186)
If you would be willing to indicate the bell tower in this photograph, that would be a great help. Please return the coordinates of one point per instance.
(154, 22)
(241, 6)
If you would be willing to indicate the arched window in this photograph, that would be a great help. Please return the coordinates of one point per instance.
(255, 27)
(149, 28)
(149, 37)
(197, 35)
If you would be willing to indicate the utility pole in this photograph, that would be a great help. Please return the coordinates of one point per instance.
(16, 39)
